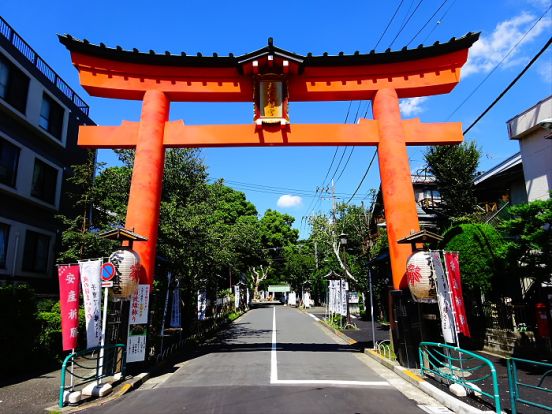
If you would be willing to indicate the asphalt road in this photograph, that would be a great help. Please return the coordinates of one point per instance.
(271, 360)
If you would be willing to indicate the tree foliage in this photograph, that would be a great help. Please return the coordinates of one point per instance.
(455, 168)
(528, 232)
(481, 252)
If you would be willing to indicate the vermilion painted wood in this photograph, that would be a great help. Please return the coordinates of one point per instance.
(147, 175)
(158, 84)
(177, 134)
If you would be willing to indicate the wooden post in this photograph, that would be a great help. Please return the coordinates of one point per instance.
(396, 182)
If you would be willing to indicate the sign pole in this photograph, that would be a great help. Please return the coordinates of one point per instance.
(102, 341)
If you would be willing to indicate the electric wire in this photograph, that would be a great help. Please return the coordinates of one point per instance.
(499, 63)
(363, 177)
(439, 22)
(389, 23)
(406, 23)
(518, 77)
(427, 22)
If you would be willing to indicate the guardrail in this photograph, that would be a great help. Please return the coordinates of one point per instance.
(28, 52)
(85, 367)
(515, 384)
(456, 365)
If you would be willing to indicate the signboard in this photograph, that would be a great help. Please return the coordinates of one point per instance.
(138, 324)
(236, 296)
(279, 288)
(107, 272)
(69, 302)
(353, 297)
(443, 298)
(92, 298)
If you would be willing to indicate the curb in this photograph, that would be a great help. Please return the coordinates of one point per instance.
(127, 386)
(447, 400)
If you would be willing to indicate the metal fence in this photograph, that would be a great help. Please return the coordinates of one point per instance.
(538, 388)
(91, 365)
(455, 365)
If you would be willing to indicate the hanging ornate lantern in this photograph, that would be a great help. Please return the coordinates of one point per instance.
(421, 280)
(127, 273)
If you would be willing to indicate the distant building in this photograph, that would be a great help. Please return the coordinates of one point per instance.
(502, 185)
(39, 119)
(533, 129)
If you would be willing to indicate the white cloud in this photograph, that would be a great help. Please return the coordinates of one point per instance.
(486, 53)
(412, 106)
(543, 69)
(288, 200)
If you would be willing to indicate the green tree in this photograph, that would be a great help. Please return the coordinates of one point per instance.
(481, 253)
(455, 168)
(528, 232)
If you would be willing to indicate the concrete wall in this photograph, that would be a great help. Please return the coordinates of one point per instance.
(535, 141)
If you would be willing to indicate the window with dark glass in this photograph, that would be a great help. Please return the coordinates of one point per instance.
(9, 159)
(35, 254)
(44, 182)
(4, 235)
(51, 116)
(14, 85)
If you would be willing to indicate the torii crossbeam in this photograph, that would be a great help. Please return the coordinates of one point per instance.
(270, 78)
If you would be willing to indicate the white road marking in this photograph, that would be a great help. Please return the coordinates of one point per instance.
(274, 369)
(435, 409)
(313, 316)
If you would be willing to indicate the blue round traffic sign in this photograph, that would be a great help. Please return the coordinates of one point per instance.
(107, 271)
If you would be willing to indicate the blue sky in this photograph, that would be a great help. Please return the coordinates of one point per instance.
(293, 175)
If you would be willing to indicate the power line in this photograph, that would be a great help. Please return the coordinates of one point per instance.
(405, 23)
(389, 23)
(439, 21)
(427, 22)
(498, 64)
(363, 177)
(499, 97)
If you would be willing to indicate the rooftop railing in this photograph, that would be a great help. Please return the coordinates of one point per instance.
(27, 51)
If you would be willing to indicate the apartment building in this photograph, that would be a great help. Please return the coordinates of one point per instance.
(39, 120)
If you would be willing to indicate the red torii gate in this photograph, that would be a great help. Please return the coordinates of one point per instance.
(270, 77)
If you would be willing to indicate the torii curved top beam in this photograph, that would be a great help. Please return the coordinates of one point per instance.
(123, 74)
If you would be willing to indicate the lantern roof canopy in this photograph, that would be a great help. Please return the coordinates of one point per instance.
(422, 236)
(122, 234)
(114, 72)
(333, 276)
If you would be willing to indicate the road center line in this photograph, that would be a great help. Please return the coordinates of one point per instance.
(274, 369)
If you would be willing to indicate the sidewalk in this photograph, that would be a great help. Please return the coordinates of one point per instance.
(363, 340)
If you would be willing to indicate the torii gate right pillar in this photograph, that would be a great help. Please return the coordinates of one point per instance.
(398, 194)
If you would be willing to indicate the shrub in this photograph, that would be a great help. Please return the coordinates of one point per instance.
(481, 250)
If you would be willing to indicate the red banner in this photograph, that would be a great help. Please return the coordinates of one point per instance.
(455, 283)
(69, 288)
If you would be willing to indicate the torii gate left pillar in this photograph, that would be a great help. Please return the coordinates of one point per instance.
(159, 79)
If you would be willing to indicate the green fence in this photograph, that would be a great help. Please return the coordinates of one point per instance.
(456, 365)
(516, 385)
(86, 366)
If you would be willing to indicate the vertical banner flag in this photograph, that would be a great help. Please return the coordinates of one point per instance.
(69, 288)
(344, 287)
(201, 305)
(333, 307)
(175, 310)
(236, 296)
(453, 269)
(443, 298)
(92, 298)
(137, 324)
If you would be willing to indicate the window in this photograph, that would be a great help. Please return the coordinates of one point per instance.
(44, 181)
(9, 159)
(14, 85)
(51, 116)
(35, 254)
(4, 237)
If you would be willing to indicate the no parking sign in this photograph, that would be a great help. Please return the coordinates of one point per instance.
(107, 273)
